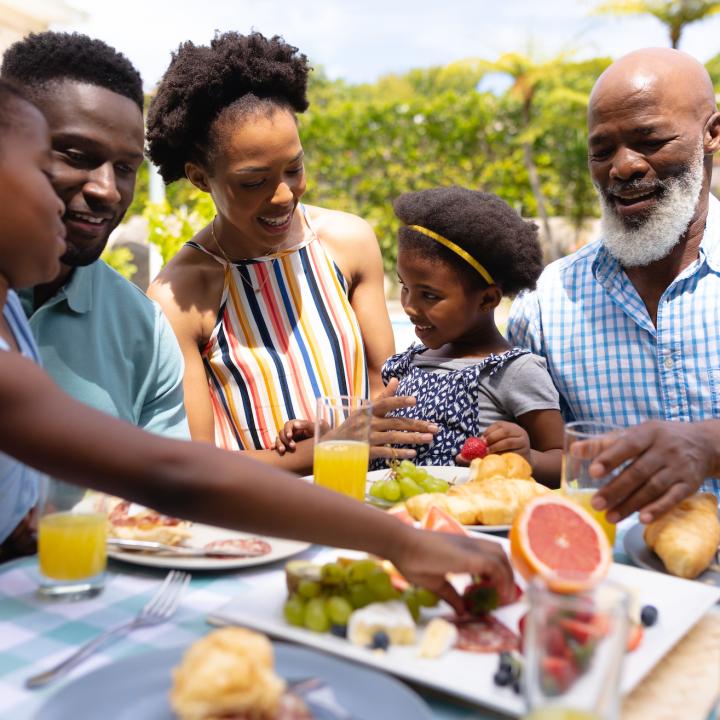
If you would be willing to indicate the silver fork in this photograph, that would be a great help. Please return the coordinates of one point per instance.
(160, 608)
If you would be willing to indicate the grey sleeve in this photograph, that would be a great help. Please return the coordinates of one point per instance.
(525, 385)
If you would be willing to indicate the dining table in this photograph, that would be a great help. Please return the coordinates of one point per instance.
(36, 634)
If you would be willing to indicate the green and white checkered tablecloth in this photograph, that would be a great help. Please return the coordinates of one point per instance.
(35, 633)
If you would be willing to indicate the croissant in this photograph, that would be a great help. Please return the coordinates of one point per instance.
(686, 538)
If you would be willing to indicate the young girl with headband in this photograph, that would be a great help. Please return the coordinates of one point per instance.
(459, 252)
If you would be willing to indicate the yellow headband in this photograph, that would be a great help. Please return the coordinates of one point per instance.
(466, 256)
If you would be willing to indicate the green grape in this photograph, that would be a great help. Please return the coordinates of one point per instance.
(332, 574)
(409, 487)
(338, 610)
(426, 598)
(381, 586)
(308, 589)
(294, 610)
(316, 618)
(436, 485)
(426, 482)
(377, 489)
(392, 491)
(413, 603)
(405, 468)
(359, 570)
(360, 595)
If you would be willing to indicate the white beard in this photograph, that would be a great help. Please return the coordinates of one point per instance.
(653, 237)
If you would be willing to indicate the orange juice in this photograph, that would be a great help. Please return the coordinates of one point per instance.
(342, 465)
(584, 498)
(71, 546)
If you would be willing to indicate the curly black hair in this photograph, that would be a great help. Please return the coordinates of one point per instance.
(41, 59)
(481, 224)
(242, 73)
(12, 98)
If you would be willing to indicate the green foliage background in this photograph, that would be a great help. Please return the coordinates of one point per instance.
(366, 144)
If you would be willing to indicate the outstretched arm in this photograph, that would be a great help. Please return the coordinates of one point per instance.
(43, 427)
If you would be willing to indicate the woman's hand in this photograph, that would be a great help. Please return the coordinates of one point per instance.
(425, 558)
(385, 431)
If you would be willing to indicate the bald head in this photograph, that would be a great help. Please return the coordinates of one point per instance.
(661, 75)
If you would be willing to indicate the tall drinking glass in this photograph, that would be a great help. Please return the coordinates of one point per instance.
(574, 647)
(72, 533)
(342, 447)
(576, 481)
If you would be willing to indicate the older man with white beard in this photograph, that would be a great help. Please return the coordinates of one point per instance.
(630, 324)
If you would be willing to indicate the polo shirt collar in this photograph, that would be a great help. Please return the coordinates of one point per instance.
(79, 291)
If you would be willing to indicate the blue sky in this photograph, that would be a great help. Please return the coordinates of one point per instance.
(360, 40)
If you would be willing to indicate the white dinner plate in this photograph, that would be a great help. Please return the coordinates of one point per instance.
(644, 557)
(200, 535)
(453, 474)
(136, 688)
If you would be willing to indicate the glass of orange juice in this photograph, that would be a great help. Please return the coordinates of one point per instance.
(342, 448)
(72, 531)
(576, 481)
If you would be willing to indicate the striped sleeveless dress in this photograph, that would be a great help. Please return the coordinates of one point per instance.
(285, 335)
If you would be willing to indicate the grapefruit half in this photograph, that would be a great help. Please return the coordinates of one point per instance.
(560, 542)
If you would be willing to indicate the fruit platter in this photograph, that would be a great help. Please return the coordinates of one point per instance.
(359, 607)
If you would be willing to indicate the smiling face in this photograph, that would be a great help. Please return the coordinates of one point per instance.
(437, 301)
(31, 237)
(256, 180)
(97, 143)
(649, 152)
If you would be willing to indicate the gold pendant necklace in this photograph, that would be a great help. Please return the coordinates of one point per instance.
(231, 262)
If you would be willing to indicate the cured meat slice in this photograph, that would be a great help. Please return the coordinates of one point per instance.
(243, 546)
(485, 634)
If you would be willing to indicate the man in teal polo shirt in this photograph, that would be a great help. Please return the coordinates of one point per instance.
(100, 337)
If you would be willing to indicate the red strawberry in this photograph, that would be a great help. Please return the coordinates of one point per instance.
(557, 674)
(474, 447)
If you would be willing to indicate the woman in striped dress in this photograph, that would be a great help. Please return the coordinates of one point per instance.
(274, 303)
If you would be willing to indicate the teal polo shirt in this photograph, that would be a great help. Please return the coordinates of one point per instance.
(108, 345)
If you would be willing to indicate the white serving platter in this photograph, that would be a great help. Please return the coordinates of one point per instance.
(453, 474)
(469, 676)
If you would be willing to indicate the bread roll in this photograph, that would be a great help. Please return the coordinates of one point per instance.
(228, 672)
(687, 537)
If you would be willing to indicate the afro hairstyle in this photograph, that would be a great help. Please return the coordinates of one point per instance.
(483, 225)
(12, 98)
(246, 73)
(41, 59)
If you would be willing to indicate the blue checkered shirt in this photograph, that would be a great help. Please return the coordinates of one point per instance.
(607, 359)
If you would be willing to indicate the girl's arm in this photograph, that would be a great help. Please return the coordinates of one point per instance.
(545, 429)
(43, 427)
(538, 437)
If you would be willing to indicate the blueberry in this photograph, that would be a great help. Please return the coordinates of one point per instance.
(339, 630)
(648, 615)
(380, 641)
(503, 677)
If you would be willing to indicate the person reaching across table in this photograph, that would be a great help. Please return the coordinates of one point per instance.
(274, 303)
(42, 427)
(629, 324)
